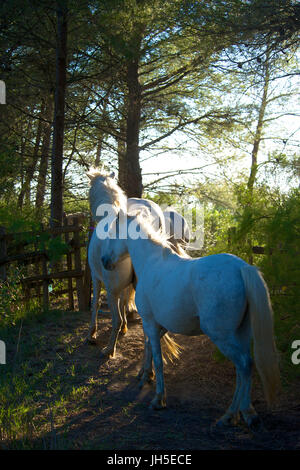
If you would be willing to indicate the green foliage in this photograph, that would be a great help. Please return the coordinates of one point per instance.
(10, 167)
(13, 309)
(271, 220)
(163, 198)
(281, 269)
(17, 221)
(56, 247)
(10, 294)
(25, 224)
(217, 222)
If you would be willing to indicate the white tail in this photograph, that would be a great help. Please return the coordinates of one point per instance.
(170, 348)
(261, 315)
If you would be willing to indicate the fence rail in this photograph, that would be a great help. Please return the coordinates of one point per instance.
(41, 271)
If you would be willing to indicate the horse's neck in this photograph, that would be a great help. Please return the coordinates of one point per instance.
(98, 217)
(144, 254)
(98, 196)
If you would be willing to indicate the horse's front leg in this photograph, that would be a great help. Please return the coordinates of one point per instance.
(123, 302)
(130, 303)
(113, 302)
(146, 374)
(152, 330)
(93, 325)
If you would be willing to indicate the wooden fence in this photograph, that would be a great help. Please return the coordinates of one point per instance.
(40, 273)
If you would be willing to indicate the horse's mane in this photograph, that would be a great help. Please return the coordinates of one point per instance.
(104, 190)
(160, 238)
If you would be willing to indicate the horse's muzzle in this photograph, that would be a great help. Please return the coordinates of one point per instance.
(107, 264)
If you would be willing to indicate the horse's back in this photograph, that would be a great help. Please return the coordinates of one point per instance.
(177, 226)
(135, 203)
(187, 296)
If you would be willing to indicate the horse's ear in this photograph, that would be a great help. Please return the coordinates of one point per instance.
(92, 173)
(121, 214)
(90, 176)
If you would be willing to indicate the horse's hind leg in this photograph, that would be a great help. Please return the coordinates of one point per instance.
(152, 330)
(243, 399)
(232, 414)
(239, 354)
(123, 303)
(130, 303)
(113, 302)
(93, 325)
(126, 302)
(146, 374)
(248, 412)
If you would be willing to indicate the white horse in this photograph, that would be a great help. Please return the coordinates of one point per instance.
(177, 229)
(219, 295)
(104, 192)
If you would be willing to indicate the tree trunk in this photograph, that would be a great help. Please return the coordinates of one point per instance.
(99, 149)
(41, 183)
(101, 134)
(259, 127)
(59, 117)
(22, 159)
(255, 149)
(32, 166)
(121, 150)
(130, 175)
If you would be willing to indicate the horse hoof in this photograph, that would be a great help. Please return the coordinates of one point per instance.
(145, 379)
(141, 384)
(157, 404)
(221, 424)
(108, 353)
(91, 340)
(140, 373)
(256, 425)
(142, 381)
(228, 420)
(124, 330)
(131, 315)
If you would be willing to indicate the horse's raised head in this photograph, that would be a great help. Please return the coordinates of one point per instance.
(94, 173)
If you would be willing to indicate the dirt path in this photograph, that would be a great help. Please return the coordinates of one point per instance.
(199, 389)
(97, 403)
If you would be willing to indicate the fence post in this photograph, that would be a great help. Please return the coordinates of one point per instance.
(69, 266)
(78, 267)
(87, 279)
(45, 284)
(3, 253)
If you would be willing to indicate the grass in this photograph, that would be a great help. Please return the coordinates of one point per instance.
(49, 383)
(38, 384)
